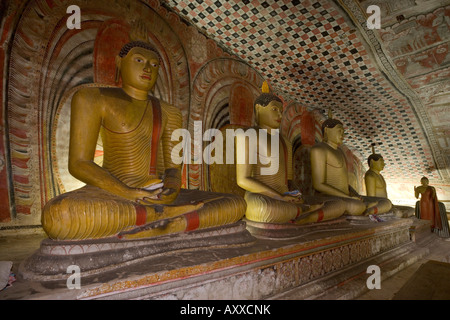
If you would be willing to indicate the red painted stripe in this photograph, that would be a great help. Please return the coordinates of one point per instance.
(21, 179)
(298, 212)
(192, 220)
(320, 217)
(375, 210)
(21, 163)
(98, 153)
(141, 215)
(23, 209)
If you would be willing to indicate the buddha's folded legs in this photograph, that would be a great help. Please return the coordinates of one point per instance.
(377, 205)
(218, 209)
(91, 212)
(337, 206)
(261, 208)
(354, 207)
(266, 209)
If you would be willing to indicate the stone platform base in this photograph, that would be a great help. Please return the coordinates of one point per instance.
(420, 230)
(53, 258)
(291, 231)
(299, 268)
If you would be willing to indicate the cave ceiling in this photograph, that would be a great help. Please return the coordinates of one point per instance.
(389, 86)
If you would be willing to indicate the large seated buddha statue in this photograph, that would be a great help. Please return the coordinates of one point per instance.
(267, 193)
(136, 193)
(330, 175)
(376, 187)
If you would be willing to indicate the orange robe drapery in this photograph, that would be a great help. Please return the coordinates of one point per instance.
(429, 208)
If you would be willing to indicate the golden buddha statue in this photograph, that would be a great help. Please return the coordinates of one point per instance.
(330, 175)
(137, 191)
(375, 183)
(376, 188)
(266, 192)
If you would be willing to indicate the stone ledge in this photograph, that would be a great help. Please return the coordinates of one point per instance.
(351, 282)
(264, 273)
(262, 270)
(93, 257)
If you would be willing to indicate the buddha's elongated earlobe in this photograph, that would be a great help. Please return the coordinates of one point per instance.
(325, 135)
(257, 107)
(117, 75)
(117, 71)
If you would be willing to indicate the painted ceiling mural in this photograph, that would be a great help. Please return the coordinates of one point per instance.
(389, 86)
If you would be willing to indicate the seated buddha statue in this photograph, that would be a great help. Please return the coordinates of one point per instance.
(137, 192)
(330, 175)
(267, 192)
(376, 187)
(374, 181)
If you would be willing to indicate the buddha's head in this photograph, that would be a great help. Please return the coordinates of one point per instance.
(424, 181)
(333, 131)
(268, 110)
(376, 162)
(138, 65)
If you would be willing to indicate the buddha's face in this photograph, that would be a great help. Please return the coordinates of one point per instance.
(335, 135)
(270, 115)
(139, 68)
(377, 165)
(424, 182)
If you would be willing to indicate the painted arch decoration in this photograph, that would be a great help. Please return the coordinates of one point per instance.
(48, 62)
(212, 87)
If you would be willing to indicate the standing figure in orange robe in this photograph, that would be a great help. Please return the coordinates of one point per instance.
(428, 204)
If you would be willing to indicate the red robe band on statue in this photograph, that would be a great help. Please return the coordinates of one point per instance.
(429, 208)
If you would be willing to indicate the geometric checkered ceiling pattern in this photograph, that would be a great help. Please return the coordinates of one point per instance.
(311, 53)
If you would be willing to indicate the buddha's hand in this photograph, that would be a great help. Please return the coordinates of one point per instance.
(168, 195)
(172, 185)
(290, 198)
(143, 196)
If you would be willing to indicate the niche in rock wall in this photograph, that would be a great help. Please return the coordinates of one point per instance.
(48, 62)
(223, 93)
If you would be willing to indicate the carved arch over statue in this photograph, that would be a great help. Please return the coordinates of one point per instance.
(301, 126)
(48, 61)
(297, 121)
(221, 81)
